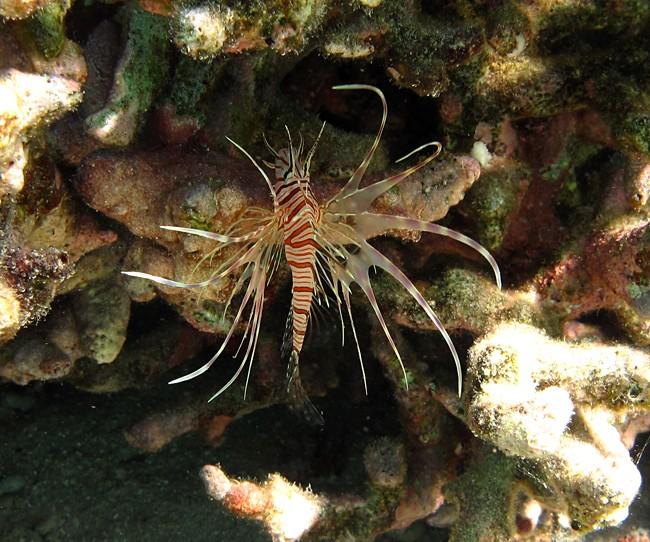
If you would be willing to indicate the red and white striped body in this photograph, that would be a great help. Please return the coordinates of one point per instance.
(299, 216)
(327, 250)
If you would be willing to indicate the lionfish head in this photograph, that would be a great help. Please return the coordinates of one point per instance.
(289, 161)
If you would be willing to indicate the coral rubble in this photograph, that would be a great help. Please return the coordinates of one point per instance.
(113, 122)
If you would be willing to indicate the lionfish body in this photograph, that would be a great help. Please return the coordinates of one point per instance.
(299, 216)
(327, 250)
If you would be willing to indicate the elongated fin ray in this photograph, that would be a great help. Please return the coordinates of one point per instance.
(166, 282)
(247, 328)
(252, 345)
(376, 258)
(266, 177)
(270, 148)
(357, 266)
(245, 258)
(249, 292)
(215, 236)
(346, 297)
(421, 147)
(355, 269)
(360, 200)
(368, 225)
(312, 150)
(353, 183)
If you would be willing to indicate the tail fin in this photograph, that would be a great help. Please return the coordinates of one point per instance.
(299, 401)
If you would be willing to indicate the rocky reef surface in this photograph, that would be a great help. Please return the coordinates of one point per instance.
(113, 118)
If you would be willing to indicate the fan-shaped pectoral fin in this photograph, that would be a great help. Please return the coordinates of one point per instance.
(257, 268)
(244, 259)
(256, 289)
(369, 225)
(250, 290)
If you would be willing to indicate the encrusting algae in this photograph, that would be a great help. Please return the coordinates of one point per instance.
(325, 247)
(113, 122)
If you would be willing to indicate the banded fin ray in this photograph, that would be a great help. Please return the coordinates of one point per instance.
(246, 258)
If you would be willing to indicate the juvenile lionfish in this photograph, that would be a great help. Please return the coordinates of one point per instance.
(327, 250)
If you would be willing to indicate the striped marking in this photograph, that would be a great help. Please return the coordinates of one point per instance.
(300, 265)
(299, 216)
(301, 289)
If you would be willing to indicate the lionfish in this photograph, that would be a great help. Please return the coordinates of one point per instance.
(327, 250)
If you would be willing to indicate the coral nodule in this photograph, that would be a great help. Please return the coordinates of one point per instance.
(481, 411)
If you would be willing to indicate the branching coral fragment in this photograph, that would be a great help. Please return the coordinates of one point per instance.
(562, 406)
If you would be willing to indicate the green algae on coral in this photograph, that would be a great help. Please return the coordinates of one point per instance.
(211, 313)
(482, 495)
(47, 27)
(140, 73)
(634, 131)
(492, 199)
(205, 30)
(102, 311)
(191, 82)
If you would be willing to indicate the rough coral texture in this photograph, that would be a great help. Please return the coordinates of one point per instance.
(562, 405)
(113, 117)
(28, 99)
(141, 70)
(287, 510)
(19, 9)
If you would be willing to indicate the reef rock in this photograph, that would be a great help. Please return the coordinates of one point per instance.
(562, 406)
(28, 100)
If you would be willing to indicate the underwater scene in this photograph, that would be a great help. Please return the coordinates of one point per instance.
(324, 270)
